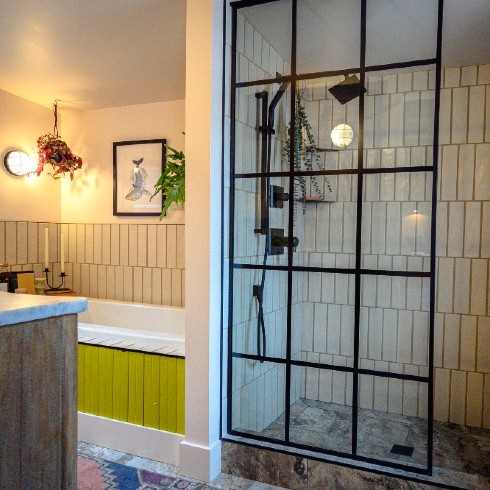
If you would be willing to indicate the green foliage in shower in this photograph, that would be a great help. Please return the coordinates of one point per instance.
(305, 155)
(172, 182)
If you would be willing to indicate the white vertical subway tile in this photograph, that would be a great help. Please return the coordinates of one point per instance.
(32, 242)
(133, 245)
(487, 115)
(404, 344)
(106, 244)
(142, 245)
(156, 286)
(138, 284)
(76, 283)
(393, 219)
(466, 172)
(97, 244)
(110, 284)
(375, 333)
(483, 352)
(467, 356)
(378, 227)
(459, 126)
(93, 278)
(474, 400)
(462, 274)
(389, 335)
(445, 285)
(333, 329)
(11, 242)
(101, 282)
(72, 242)
(456, 229)
(119, 283)
(482, 172)
(162, 246)
(387, 187)
(442, 388)
(410, 394)
(171, 246)
(479, 287)
(420, 338)
(182, 273)
(147, 285)
(427, 100)
(438, 339)
(452, 77)
(2, 240)
(176, 287)
(21, 242)
(469, 75)
(115, 245)
(128, 284)
(347, 331)
(89, 243)
(472, 226)
(390, 84)
(485, 233)
(476, 117)
(442, 229)
(452, 325)
(458, 397)
(397, 108)
(420, 80)
(483, 74)
(85, 279)
(381, 120)
(320, 326)
(445, 117)
(180, 247)
(412, 118)
(449, 173)
(80, 243)
(369, 122)
(404, 82)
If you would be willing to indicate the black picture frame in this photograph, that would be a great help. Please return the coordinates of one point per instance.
(132, 190)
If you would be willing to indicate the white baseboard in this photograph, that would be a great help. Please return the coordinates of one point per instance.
(200, 462)
(130, 438)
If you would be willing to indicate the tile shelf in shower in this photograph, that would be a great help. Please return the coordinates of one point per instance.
(312, 200)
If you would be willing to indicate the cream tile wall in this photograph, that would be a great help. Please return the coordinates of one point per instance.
(135, 263)
(394, 313)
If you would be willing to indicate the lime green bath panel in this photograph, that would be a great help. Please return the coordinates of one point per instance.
(136, 387)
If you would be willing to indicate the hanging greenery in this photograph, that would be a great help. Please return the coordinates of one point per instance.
(306, 157)
(172, 182)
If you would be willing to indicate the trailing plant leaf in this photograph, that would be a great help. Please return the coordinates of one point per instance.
(305, 155)
(172, 181)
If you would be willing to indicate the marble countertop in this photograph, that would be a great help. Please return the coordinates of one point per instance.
(17, 308)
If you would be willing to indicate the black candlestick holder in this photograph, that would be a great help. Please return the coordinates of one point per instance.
(59, 288)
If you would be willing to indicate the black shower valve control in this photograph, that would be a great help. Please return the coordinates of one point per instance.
(278, 242)
(278, 196)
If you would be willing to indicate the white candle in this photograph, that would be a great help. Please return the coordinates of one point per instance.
(46, 248)
(62, 253)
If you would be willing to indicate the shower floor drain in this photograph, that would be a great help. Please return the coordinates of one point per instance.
(402, 450)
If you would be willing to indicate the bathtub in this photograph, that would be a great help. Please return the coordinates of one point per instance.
(145, 328)
(130, 358)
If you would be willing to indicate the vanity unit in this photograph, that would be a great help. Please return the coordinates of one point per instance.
(38, 391)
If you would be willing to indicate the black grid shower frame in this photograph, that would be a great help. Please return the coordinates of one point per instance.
(358, 271)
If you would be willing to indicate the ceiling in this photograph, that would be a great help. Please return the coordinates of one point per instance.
(93, 54)
(108, 53)
(397, 30)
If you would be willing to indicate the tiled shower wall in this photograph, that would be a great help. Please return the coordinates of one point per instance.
(394, 312)
(133, 263)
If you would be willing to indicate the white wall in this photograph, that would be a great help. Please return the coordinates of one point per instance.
(22, 199)
(90, 134)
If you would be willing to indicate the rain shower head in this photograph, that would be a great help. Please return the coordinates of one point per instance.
(348, 89)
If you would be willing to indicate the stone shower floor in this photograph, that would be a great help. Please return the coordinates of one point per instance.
(329, 426)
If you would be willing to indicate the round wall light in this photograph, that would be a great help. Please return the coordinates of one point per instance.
(18, 163)
(342, 135)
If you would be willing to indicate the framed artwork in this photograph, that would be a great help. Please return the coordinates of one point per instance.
(137, 167)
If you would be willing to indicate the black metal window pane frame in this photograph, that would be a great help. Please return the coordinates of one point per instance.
(358, 271)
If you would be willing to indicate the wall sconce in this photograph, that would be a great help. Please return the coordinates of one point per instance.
(342, 135)
(18, 163)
